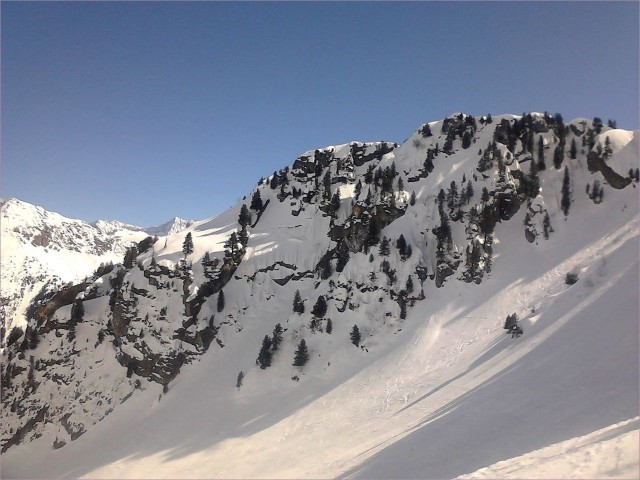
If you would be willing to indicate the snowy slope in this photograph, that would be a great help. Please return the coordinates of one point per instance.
(440, 393)
(42, 249)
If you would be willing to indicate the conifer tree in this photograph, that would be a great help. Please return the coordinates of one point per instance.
(265, 355)
(402, 303)
(541, 164)
(383, 249)
(573, 150)
(565, 202)
(400, 184)
(187, 246)
(326, 184)
(256, 201)
(220, 304)
(401, 245)
(409, 286)
(298, 304)
(277, 337)
(412, 199)
(329, 327)
(239, 379)
(244, 218)
(558, 156)
(546, 225)
(355, 335)
(320, 307)
(301, 357)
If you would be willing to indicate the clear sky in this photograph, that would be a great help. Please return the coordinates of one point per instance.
(143, 111)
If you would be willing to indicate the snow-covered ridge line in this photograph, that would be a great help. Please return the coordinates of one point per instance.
(364, 284)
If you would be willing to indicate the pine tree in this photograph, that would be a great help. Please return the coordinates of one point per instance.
(239, 379)
(546, 225)
(400, 184)
(329, 327)
(335, 201)
(277, 337)
(320, 307)
(265, 355)
(77, 310)
(383, 249)
(256, 201)
(573, 150)
(187, 246)
(402, 303)
(355, 335)
(301, 357)
(401, 245)
(298, 304)
(326, 184)
(565, 202)
(558, 156)
(220, 304)
(409, 286)
(245, 217)
(541, 164)
(412, 199)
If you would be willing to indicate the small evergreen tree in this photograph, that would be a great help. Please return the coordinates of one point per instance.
(220, 305)
(301, 356)
(409, 286)
(355, 335)
(541, 164)
(277, 337)
(298, 304)
(383, 249)
(573, 150)
(558, 156)
(565, 202)
(245, 217)
(401, 245)
(329, 327)
(512, 326)
(77, 310)
(546, 225)
(412, 199)
(187, 246)
(402, 303)
(264, 357)
(320, 308)
(256, 201)
(239, 379)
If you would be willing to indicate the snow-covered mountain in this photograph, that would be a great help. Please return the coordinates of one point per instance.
(397, 267)
(42, 251)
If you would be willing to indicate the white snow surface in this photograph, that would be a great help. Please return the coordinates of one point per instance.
(438, 395)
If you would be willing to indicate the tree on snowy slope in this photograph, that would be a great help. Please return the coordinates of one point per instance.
(220, 304)
(320, 308)
(264, 356)
(355, 335)
(187, 246)
(256, 201)
(301, 357)
(565, 202)
(245, 217)
(298, 304)
(277, 337)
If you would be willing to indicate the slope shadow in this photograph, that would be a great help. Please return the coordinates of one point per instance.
(538, 401)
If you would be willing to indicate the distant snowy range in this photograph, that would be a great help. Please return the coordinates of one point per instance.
(461, 305)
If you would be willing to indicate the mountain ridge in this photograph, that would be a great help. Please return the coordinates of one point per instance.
(319, 227)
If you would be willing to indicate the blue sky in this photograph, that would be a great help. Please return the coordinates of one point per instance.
(143, 111)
